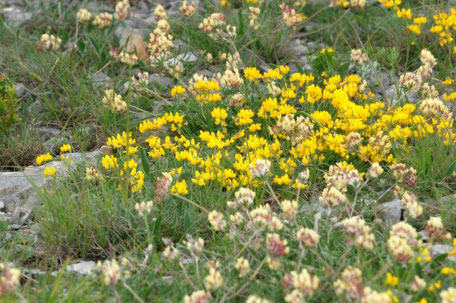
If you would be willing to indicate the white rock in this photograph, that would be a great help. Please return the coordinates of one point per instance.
(165, 81)
(101, 79)
(20, 89)
(440, 249)
(17, 189)
(185, 57)
(16, 15)
(390, 212)
(83, 268)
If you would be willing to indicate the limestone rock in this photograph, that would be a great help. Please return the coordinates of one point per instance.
(101, 79)
(83, 267)
(390, 212)
(16, 15)
(440, 249)
(18, 189)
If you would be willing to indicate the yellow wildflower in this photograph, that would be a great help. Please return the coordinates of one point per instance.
(177, 90)
(49, 171)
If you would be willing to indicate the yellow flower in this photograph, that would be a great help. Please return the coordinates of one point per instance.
(245, 117)
(448, 271)
(283, 180)
(314, 93)
(206, 91)
(180, 188)
(214, 139)
(391, 280)
(119, 141)
(390, 3)
(453, 252)
(273, 74)
(414, 29)
(219, 115)
(420, 20)
(301, 78)
(49, 171)
(322, 117)
(177, 90)
(284, 69)
(436, 285)
(65, 148)
(447, 82)
(109, 161)
(252, 74)
(254, 127)
(326, 50)
(404, 13)
(43, 158)
(449, 97)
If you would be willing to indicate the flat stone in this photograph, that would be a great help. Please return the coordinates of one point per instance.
(168, 279)
(20, 89)
(187, 261)
(185, 57)
(441, 249)
(18, 189)
(35, 107)
(16, 15)
(49, 132)
(83, 267)
(394, 96)
(205, 72)
(298, 48)
(449, 198)
(390, 212)
(162, 80)
(101, 79)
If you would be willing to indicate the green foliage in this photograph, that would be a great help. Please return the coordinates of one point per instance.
(9, 106)
(389, 57)
(434, 159)
(326, 62)
(101, 227)
(19, 147)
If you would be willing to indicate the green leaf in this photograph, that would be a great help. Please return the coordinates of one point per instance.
(156, 231)
(81, 45)
(241, 24)
(187, 223)
(112, 184)
(450, 169)
(437, 260)
(144, 161)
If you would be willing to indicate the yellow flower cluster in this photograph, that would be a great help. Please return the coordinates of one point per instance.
(353, 126)
(129, 171)
(207, 91)
(49, 171)
(177, 90)
(219, 115)
(445, 26)
(40, 159)
(444, 22)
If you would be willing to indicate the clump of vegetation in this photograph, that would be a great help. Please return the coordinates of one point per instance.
(9, 106)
